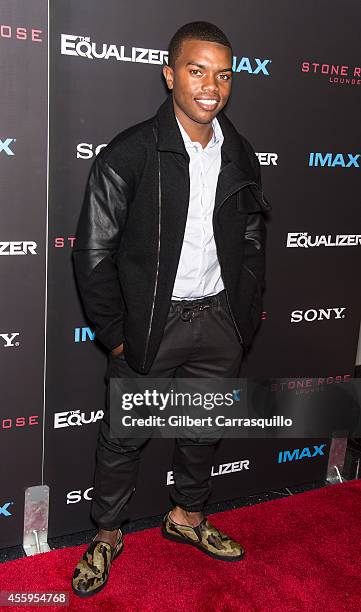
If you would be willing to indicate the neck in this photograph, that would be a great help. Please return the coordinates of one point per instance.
(198, 132)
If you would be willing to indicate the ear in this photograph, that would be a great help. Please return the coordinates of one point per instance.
(169, 76)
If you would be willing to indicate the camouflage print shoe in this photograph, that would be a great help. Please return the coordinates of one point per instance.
(205, 537)
(92, 572)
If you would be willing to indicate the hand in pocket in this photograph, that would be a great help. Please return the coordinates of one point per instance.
(117, 350)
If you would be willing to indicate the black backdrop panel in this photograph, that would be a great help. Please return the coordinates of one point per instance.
(241, 467)
(23, 172)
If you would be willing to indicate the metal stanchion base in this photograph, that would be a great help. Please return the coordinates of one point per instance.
(36, 516)
(336, 460)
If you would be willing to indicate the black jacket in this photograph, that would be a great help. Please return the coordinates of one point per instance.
(131, 227)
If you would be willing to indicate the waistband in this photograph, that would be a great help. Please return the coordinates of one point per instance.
(211, 300)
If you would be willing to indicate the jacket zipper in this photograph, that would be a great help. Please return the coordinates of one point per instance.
(234, 322)
(158, 258)
(225, 290)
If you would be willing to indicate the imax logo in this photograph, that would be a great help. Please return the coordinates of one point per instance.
(332, 160)
(82, 334)
(5, 146)
(298, 454)
(4, 509)
(244, 64)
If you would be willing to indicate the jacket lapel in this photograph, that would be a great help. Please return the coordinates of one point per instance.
(236, 170)
(174, 185)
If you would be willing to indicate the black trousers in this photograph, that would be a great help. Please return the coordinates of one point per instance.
(201, 342)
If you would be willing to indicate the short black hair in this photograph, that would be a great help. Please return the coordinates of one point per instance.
(196, 30)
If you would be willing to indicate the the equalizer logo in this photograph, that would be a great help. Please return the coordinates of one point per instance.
(83, 46)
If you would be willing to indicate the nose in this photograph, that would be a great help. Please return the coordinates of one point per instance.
(210, 83)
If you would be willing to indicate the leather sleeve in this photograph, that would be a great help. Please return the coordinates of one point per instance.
(98, 233)
(255, 234)
(254, 249)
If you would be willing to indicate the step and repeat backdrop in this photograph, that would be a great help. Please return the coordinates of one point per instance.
(23, 244)
(296, 91)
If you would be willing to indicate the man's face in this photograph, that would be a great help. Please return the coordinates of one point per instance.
(201, 80)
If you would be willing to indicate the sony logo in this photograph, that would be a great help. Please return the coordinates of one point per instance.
(74, 497)
(319, 314)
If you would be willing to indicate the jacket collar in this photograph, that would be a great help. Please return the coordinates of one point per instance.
(216, 138)
(170, 139)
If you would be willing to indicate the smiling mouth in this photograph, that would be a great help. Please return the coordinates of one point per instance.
(207, 103)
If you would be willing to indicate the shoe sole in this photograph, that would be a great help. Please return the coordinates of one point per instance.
(173, 538)
(83, 594)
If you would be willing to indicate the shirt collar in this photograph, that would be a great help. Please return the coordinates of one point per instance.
(217, 135)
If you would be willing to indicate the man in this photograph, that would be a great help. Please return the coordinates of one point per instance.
(169, 259)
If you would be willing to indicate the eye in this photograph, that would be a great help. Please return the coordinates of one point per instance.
(194, 71)
(225, 77)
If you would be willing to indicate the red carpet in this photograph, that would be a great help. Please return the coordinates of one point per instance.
(303, 552)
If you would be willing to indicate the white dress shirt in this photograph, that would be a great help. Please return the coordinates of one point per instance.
(198, 273)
